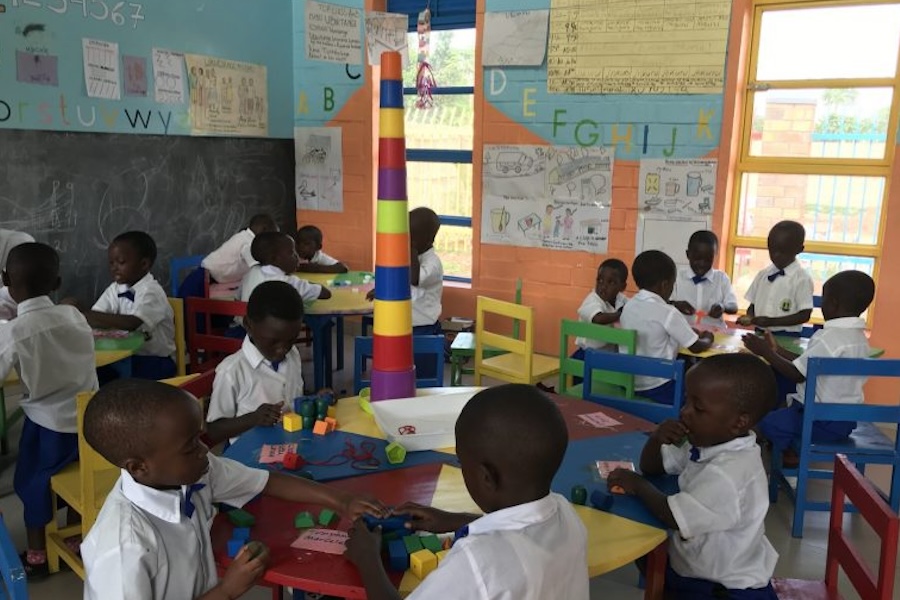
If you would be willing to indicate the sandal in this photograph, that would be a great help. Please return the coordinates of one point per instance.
(34, 571)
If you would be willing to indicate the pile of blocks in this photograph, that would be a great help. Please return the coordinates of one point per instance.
(316, 413)
(420, 553)
(304, 520)
(240, 535)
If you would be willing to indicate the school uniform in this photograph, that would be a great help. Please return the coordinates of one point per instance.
(661, 332)
(703, 292)
(9, 239)
(839, 338)
(720, 511)
(230, 262)
(781, 292)
(426, 307)
(52, 349)
(246, 380)
(592, 306)
(532, 551)
(320, 258)
(260, 273)
(147, 301)
(7, 305)
(150, 544)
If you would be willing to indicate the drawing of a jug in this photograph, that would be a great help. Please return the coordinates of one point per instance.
(694, 181)
(499, 219)
(672, 188)
(651, 183)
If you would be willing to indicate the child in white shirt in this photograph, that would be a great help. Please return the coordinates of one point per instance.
(312, 258)
(278, 260)
(426, 276)
(230, 262)
(701, 288)
(603, 305)
(9, 239)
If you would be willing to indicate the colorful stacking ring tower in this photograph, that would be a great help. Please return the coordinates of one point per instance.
(393, 370)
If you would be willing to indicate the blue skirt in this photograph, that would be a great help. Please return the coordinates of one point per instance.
(42, 454)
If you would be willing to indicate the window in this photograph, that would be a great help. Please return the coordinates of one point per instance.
(820, 101)
(439, 139)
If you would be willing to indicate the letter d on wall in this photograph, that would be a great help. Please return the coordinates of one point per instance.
(498, 82)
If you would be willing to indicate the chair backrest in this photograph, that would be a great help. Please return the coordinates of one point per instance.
(850, 484)
(177, 266)
(207, 348)
(809, 330)
(90, 465)
(177, 305)
(635, 365)
(422, 344)
(15, 582)
(518, 300)
(605, 334)
(524, 347)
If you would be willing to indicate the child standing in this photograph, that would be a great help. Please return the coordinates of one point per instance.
(701, 288)
(603, 305)
(312, 259)
(52, 349)
(661, 329)
(530, 544)
(717, 547)
(230, 262)
(278, 260)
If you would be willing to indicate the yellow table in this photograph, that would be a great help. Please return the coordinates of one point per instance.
(732, 340)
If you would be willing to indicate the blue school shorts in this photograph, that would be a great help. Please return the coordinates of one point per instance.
(783, 428)
(662, 394)
(689, 588)
(42, 454)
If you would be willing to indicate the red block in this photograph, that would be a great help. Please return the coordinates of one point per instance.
(392, 353)
(293, 461)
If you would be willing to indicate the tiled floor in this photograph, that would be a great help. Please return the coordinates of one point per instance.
(801, 558)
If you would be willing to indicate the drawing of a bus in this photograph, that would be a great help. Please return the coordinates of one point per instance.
(513, 161)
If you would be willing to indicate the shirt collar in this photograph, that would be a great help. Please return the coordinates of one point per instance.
(688, 273)
(428, 252)
(164, 504)
(31, 304)
(253, 355)
(840, 323)
(791, 268)
(272, 270)
(140, 283)
(736, 445)
(516, 517)
(648, 295)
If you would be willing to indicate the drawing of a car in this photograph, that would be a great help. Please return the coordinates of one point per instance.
(513, 161)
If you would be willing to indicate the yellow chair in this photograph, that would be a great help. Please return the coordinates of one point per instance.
(521, 364)
(83, 485)
(177, 305)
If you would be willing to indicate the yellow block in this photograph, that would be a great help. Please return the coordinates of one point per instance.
(393, 317)
(422, 562)
(332, 412)
(392, 217)
(292, 422)
(390, 123)
(441, 555)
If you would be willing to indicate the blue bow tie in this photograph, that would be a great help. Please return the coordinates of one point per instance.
(776, 275)
(128, 294)
(695, 454)
(698, 279)
(461, 533)
(188, 503)
(275, 364)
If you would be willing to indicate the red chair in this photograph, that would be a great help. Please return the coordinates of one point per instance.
(849, 483)
(207, 348)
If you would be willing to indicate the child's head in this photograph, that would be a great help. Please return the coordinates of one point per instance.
(654, 271)
(499, 470)
(612, 275)
(274, 318)
(150, 429)
(847, 294)
(309, 241)
(261, 223)
(701, 251)
(32, 270)
(131, 255)
(785, 242)
(276, 249)
(423, 227)
(725, 396)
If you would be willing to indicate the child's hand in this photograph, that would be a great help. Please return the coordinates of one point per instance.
(762, 321)
(626, 480)
(715, 311)
(370, 295)
(745, 320)
(761, 345)
(426, 518)
(670, 431)
(354, 507)
(683, 307)
(268, 414)
(362, 545)
(243, 572)
(707, 335)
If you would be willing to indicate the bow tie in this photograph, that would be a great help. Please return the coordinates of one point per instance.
(698, 279)
(695, 454)
(127, 294)
(275, 364)
(188, 503)
(461, 533)
(776, 275)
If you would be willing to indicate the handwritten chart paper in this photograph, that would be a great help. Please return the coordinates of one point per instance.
(274, 453)
(637, 46)
(599, 419)
(329, 541)
(332, 33)
(227, 96)
(168, 76)
(319, 172)
(101, 69)
(386, 32)
(515, 38)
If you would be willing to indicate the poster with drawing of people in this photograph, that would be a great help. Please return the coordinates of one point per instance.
(227, 96)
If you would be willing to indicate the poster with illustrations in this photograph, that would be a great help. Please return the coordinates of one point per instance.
(320, 176)
(227, 96)
(677, 189)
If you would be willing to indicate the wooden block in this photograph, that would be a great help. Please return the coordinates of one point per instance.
(292, 422)
(292, 461)
(234, 546)
(399, 558)
(241, 518)
(327, 517)
(332, 411)
(320, 428)
(413, 543)
(431, 542)
(396, 453)
(303, 520)
(241, 533)
(422, 563)
(441, 555)
(332, 424)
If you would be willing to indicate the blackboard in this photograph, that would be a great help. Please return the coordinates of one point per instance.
(77, 191)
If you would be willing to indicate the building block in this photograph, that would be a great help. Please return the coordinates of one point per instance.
(398, 557)
(306, 408)
(327, 517)
(303, 520)
(332, 411)
(578, 495)
(332, 424)
(441, 555)
(413, 543)
(292, 461)
(241, 533)
(320, 428)
(234, 546)
(241, 518)
(308, 423)
(292, 422)
(601, 500)
(396, 453)
(392, 523)
(422, 563)
(431, 542)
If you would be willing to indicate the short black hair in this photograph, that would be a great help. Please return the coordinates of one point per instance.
(120, 419)
(34, 267)
(425, 218)
(265, 246)
(753, 389)
(795, 230)
(311, 233)
(852, 290)
(497, 420)
(142, 243)
(652, 267)
(614, 264)
(703, 236)
(266, 222)
(276, 299)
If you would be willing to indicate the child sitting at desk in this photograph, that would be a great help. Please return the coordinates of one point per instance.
(661, 329)
(530, 544)
(717, 547)
(278, 260)
(52, 349)
(9, 239)
(700, 287)
(603, 305)
(845, 297)
(255, 384)
(312, 259)
(151, 540)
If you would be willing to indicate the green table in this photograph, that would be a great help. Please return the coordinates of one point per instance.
(798, 346)
(461, 350)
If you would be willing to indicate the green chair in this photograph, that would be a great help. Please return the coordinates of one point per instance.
(611, 383)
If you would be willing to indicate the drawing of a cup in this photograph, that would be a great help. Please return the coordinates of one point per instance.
(499, 219)
(694, 181)
(651, 183)
(672, 188)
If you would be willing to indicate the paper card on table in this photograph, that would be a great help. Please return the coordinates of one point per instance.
(605, 467)
(599, 419)
(274, 453)
(111, 333)
(329, 541)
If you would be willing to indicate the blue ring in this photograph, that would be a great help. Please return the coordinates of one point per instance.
(392, 283)
(391, 94)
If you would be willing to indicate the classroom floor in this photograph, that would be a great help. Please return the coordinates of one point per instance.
(798, 558)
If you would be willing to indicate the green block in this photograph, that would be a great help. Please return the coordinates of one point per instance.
(431, 542)
(241, 518)
(327, 517)
(413, 543)
(303, 520)
(396, 453)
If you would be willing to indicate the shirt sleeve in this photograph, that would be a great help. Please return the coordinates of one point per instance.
(152, 307)
(246, 255)
(457, 578)
(308, 291)
(126, 572)
(8, 306)
(803, 293)
(224, 398)
(754, 288)
(674, 458)
(8, 355)
(818, 347)
(679, 330)
(729, 301)
(431, 272)
(591, 307)
(108, 302)
(234, 483)
(323, 259)
(712, 504)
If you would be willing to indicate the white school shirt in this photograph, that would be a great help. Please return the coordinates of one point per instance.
(533, 551)
(426, 297)
(593, 305)
(839, 338)
(715, 289)
(230, 262)
(320, 258)
(720, 512)
(9, 239)
(260, 273)
(151, 306)
(52, 349)
(661, 332)
(7, 305)
(246, 380)
(143, 547)
(788, 294)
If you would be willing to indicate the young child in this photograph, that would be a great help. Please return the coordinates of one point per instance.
(426, 276)
(312, 259)
(52, 349)
(701, 288)
(717, 547)
(530, 544)
(230, 262)
(9, 239)
(781, 296)
(661, 329)
(603, 305)
(255, 384)
(845, 297)
(278, 260)
(151, 540)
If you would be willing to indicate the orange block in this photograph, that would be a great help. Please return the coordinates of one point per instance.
(320, 428)
(392, 249)
(332, 423)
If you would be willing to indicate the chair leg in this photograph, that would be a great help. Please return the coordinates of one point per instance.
(656, 573)
(4, 425)
(52, 528)
(339, 336)
(774, 476)
(800, 498)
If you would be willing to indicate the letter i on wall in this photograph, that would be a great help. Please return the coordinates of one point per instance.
(393, 370)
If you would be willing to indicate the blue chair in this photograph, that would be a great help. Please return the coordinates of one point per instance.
(866, 445)
(422, 344)
(15, 583)
(598, 360)
(179, 265)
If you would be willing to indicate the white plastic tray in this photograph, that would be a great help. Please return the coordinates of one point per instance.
(425, 422)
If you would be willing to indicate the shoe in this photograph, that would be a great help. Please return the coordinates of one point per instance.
(34, 572)
(549, 389)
